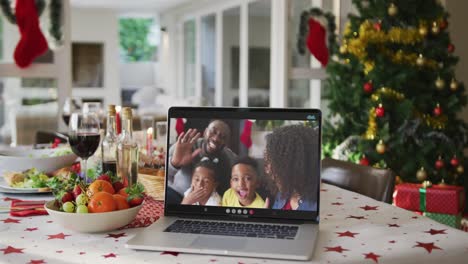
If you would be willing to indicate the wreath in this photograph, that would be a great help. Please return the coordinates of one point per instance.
(306, 16)
(55, 15)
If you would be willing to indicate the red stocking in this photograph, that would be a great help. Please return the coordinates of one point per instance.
(180, 126)
(32, 43)
(316, 41)
(246, 136)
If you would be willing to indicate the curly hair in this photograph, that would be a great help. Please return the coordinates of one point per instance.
(293, 155)
(206, 162)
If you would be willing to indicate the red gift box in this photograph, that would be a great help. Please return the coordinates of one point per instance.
(442, 199)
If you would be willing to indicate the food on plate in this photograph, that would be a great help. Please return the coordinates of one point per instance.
(13, 178)
(31, 178)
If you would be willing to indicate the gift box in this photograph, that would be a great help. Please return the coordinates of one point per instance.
(446, 219)
(441, 199)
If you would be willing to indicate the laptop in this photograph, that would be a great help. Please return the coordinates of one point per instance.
(239, 182)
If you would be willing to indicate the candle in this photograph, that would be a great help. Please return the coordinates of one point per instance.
(118, 124)
(149, 142)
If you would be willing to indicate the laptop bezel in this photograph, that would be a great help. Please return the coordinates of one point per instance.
(219, 212)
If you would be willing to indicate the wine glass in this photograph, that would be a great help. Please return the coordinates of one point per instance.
(84, 137)
(71, 104)
(96, 108)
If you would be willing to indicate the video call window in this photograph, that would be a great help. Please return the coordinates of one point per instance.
(270, 164)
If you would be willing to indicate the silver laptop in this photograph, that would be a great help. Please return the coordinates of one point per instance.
(239, 182)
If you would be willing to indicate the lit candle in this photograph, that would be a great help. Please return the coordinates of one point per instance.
(118, 124)
(149, 142)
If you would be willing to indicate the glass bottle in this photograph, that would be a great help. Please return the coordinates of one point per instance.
(109, 143)
(127, 150)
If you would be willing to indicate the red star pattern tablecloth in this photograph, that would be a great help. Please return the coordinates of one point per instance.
(353, 229)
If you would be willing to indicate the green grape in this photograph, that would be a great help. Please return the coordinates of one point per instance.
(68, 207)
(81, 199)
(82, 209)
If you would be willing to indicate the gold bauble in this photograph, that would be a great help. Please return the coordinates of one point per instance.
(426, 184)
(439, 83)
(380, 147)
(435, 28)
(343, 49)
(392, 9)
(453, 85)
(420, 60)
(422, 31)
(460, 169)
(421, 175)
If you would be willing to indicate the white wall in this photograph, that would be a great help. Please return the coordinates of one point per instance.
(101, 26)
(138, 74)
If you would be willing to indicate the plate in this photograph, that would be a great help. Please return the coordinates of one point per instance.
(5, 188)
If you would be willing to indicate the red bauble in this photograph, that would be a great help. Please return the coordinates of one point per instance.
(437, 111)
(364, 161)
(439, 164)
(368, 87)
(380, 111)
(451, 48)
(454, 161)
(443, 24)
(378, 26)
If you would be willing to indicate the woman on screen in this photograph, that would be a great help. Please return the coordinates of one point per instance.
(291, 163)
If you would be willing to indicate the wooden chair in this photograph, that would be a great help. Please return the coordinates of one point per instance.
(372, 182)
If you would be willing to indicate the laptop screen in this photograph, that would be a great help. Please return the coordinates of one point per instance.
(243, 162)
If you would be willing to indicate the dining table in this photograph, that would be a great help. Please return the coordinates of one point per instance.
(353, 229)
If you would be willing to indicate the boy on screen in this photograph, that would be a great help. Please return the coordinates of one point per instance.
(244, 182)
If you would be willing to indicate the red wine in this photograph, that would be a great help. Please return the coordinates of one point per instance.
(66, 118)
(109, 166)
(84, 144)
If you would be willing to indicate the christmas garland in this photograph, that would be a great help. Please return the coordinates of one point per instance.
(303, 29)
(55, 14)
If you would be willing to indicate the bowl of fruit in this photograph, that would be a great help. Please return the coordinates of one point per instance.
(103, 205)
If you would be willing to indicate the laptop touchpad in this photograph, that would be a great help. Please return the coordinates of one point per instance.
(218, 243)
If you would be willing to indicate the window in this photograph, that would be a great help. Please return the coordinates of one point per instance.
(138, 39)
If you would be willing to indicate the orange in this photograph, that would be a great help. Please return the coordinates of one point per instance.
(121, 201)
(100, 186)
(102, 202)
(123, 193)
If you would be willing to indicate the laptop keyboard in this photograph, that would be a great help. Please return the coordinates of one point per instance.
(233, 229)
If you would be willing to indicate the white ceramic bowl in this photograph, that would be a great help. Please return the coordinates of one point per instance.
(20, 159)
(92, 222)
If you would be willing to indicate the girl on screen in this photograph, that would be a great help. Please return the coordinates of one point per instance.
(291, 163)
(204, 183)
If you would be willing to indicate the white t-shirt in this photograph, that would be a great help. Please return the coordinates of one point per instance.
(214, 200)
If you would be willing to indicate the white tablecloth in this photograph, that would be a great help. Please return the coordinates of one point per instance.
(353, 229)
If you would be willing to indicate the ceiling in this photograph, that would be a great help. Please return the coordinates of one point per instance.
(129, 5)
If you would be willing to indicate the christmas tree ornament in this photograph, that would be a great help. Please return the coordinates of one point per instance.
(451, 48)
(422, 31)
(378, 25)
(368, 87)
(421, 174)
(442, 182)
(435, 28)
(371, 131)
(420, 60)
(380, 147)
(437, 110)
(392, 10)
(343, 49)
(460, 169)
(364, 161)
(453, 85)
(439, 164)
(443, 24)
(439, 83)
(380, 111)
(454, 161)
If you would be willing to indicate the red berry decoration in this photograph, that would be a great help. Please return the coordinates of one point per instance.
(451, 48)
(380, 111)
(378, 26)
(439, 164)
(364, 161)
(368, 87)
(437, 110)
(454, 161)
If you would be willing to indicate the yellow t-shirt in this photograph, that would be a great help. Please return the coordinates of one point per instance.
(230, 199)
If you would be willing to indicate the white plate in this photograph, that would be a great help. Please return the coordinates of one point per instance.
(5, 188)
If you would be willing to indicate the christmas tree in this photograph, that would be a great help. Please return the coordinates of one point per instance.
(394, 96)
